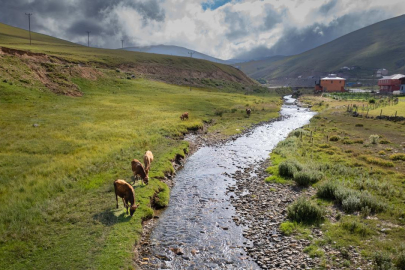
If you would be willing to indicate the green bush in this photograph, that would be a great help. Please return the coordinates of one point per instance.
(398, 156)
(351, 203)
(382, 261)
(374, 138)
(327, 190)
(355, 227)
(359, 125)
(287, 228)
(288, 167)
(384, 141)
(334, 138)
(307, 177)
(303, 210)
(400, 261)
(368, 200)
(297, 132)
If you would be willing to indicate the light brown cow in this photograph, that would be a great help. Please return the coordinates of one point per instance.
(147, 160)
(248, 111)
(138, 169)
(184, 116)
(126, 192)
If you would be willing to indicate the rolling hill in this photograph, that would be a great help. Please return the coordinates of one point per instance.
(381, 45)
(166, 68)
(179, 51)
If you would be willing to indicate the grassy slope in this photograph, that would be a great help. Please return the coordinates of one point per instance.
(351, 162)
(57, 206)
(376, 46)
(18, 39)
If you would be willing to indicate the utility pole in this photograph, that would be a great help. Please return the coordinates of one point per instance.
(88, 38)
(29, 24)
(191, 54)
(122, 42)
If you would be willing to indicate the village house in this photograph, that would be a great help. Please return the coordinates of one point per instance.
(332, 83)
(392, 83)
(381, 72)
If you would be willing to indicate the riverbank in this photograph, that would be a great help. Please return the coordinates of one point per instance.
(60, 156)
(353, 169)
(199, 225)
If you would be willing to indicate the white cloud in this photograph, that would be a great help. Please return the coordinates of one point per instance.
(224, 32)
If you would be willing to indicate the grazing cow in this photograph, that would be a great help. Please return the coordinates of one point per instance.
(184, 116)
(126, 192)
(248, 111)
(138, 169)
(147, 160)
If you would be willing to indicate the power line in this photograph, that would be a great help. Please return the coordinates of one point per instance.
(29, 24)
(88, 38)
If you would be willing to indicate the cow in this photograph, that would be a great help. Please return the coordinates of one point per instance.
(248, 111)
(184, 116)
(147, 160)
(138, 169)
(126, 192)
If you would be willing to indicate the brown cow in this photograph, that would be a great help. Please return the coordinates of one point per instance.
(138, 169)
(126, 192)
(147, 160)
(248, 111)
(184, 116)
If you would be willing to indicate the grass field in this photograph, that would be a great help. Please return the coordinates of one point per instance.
(361, 188)
(59, 154)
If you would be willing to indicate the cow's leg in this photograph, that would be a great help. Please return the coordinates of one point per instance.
(116, 198)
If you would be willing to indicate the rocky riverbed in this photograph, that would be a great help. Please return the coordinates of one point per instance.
(262, 207)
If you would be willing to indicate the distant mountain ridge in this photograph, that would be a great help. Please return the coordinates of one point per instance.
(179, 51)
(381, 45)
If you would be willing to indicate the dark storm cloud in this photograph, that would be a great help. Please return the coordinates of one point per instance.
(237, 24)
(67, 19)
(272, 17)
(240, 25)
(295, 40)
(324, 9)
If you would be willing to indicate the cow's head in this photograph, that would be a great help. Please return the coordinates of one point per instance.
(133, 208)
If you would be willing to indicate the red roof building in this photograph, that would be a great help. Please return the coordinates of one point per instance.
(392, 83)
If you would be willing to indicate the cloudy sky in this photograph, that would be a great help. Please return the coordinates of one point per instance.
(220, 28)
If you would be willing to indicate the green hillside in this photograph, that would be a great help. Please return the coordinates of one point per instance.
(172, 69)
(381, 45)
(73, 118)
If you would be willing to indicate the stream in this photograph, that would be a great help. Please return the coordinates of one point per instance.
(197, 230)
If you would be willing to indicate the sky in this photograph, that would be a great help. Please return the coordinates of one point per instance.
(224, 29)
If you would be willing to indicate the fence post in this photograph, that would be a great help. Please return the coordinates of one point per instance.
(381, 113)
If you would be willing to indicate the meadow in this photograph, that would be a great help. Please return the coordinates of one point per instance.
(356, 166)
(61, 154)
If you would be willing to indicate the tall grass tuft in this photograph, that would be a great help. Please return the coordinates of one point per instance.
(288, 167)
(303, 210)
(307, 177)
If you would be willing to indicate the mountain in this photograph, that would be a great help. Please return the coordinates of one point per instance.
(381, 45)
(179, 51)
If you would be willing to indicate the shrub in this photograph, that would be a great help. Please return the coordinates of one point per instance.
(334, 138)
(377, 161)
(327, 190)
(357, 228)
(384, 141)
(307, 177)
(313, 251)
(288, 167)
(367, 200)
(351, 203)
(382, 261)
(359, 125)
(297, 132)
(233, 110)
(381, 153)
(347, 141)
(399, 156)
(374, 139)
(324, 145)
(305, 211)
(359, 141)
(371, 101)
(400, 261)
(288, 227)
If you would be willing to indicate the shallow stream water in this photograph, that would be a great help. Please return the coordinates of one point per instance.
(198, 222)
